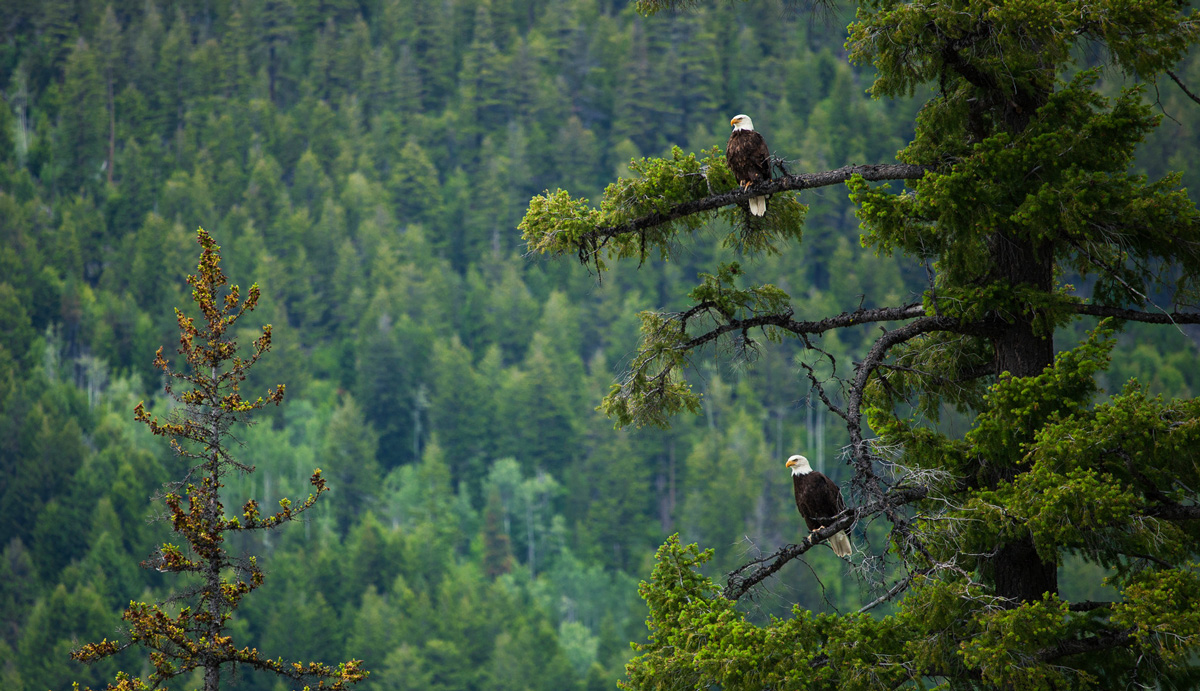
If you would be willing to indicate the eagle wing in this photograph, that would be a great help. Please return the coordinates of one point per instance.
(748, 157)
(817, 499)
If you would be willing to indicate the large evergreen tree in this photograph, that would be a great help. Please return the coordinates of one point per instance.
(1017, 180)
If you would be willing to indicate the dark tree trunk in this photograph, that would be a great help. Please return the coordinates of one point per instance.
(1017, 261)
(1019, 572)
(271, 74)
(1021, 575)
(112, 130)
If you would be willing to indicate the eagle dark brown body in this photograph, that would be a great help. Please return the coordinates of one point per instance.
(748, 159)
(817, 497)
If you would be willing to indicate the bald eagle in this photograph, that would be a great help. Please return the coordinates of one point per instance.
(818, 499)
(748, 158)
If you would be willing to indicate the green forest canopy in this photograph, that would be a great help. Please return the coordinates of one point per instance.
(367, 163)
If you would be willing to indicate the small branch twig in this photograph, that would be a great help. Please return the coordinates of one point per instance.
(1181, 85)
(893, 591)
(1163, 317)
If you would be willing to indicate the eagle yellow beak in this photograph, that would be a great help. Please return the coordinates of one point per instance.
(733, 121)
(789, 464)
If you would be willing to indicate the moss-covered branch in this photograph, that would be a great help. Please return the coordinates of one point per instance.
(676, 194)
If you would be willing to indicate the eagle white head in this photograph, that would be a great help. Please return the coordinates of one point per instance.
(799, 465)
(742, 122)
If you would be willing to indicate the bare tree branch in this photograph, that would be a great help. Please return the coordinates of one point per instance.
(738, 584)
(895, 590)
(1089, 605)
(1174, 512)
(1179, 82)
(1137, 315)
(785, 322)
(1091, 644)
(860, 457)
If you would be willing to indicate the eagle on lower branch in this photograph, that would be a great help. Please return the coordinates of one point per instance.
(818, 499)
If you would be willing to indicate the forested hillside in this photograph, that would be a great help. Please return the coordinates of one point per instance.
(367, 163)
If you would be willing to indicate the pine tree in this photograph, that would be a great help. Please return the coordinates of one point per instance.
(79, 154)
(414, 185)
(1018, 176)
(197, 638)
(497, 545)
(109, 48)
(433, 52)
(350, 448)
(16, 327)
(482, 87)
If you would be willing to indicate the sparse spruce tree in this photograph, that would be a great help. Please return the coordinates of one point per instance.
(1017, 180)
(192, 631)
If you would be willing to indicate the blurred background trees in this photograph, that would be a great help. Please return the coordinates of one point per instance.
(367, 162)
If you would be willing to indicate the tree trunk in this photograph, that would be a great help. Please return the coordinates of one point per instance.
(1019, 572)
(211, 601)
(112, 130)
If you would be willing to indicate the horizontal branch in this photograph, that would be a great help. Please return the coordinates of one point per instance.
(895, 590)
(1182, 86)
(1089, 605)
(911, 311)
(1138, 315)
(1174, 512)
(784, 321)
(802, 181)
(737, 584)
(1091, 644)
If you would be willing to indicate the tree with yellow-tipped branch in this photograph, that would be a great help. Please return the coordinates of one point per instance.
(211, 403)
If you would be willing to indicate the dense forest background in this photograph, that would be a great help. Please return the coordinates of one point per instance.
(366, 163)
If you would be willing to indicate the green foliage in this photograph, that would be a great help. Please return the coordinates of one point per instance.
(1144, 38)
(349, 452)
(699, 638)
(17, 327)
(655, 389)
(1161, 608)
(371, 174)
(1080, 146)
(1017, 407)
(556, 223)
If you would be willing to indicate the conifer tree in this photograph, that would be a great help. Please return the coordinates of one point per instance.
(108, 46)
(1018, 176)
(196, 637)
(80, 151)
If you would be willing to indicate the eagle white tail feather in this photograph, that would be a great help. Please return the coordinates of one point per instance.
(758, 205)
(840, 544)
